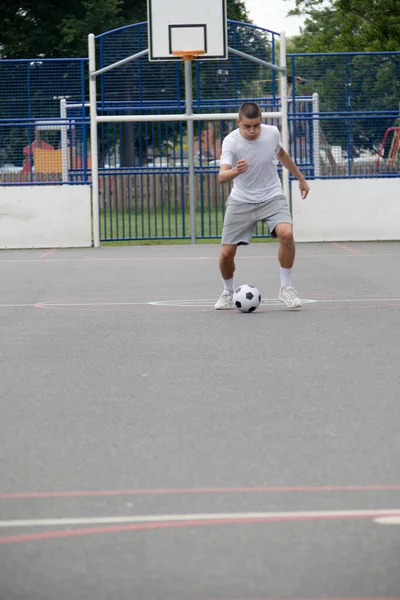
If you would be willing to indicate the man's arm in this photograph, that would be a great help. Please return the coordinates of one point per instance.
(287, 162)
(227, 172)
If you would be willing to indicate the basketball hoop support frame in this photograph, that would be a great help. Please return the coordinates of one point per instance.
(189, 117)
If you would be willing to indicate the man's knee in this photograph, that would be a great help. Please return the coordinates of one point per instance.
(228, 252)
(284, 231)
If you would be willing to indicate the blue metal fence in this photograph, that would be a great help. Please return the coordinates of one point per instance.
(144, 165)
(358, 106)
(344, 121)
(38, 145)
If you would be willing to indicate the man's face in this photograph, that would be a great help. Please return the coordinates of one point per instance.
(250, 128)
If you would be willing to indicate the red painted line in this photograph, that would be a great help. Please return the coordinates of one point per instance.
(47, 253)
(182, 491)
(347, 248)
(47, 535)
(213, 258)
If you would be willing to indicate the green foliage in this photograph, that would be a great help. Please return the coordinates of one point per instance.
(74, 30)
(350, 84)
(59, 28)
(348, 26)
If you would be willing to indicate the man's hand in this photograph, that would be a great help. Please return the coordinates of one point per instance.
(228, 173)
(304, 188)
(241, 166)
(287, 162)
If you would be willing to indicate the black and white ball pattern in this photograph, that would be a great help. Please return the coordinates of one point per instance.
(246, 298)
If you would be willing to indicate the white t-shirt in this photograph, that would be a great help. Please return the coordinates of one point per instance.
(261, 181)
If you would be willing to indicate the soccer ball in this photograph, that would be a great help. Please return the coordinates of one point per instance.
(246, 298)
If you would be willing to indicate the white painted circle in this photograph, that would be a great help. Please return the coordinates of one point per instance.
(205, 303)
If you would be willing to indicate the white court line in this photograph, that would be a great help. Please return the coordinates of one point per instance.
(167, 303)
(206, 302)
(69, 304)
(46, 304)
(17, 305)
(267, 301)
(267, 516)
(394, 520)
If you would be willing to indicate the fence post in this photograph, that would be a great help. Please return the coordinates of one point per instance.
(93, 142)
(316, 135)
(190, 130)
(284, 111)
(64, 139)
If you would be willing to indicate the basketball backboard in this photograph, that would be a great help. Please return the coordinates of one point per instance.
(176, 26)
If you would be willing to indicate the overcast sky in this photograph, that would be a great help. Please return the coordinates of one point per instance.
(271, 14)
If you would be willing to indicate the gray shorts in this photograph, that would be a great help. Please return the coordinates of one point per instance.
(241, 218)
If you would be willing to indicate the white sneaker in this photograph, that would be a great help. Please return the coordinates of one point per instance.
(225, 301)
(288, 296)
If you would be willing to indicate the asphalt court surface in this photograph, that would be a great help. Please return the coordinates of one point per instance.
(153, 448)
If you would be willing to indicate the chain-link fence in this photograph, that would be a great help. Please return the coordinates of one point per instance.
(344, 121)
(142, 83)
(144, 166)
(39, 143)
(357, 124)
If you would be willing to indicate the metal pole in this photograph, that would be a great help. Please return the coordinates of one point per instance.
(179, 117)
(190, 133)
(316, 135)
(257, 60)
(64, 140)
(119, 63)
(93, 142)
(284, 111)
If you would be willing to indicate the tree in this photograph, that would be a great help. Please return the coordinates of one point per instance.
(59, 28)
(75, 28)
(350, 84)
(348, 25)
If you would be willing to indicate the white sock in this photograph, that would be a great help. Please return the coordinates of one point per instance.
(228, 285)
(285, 277)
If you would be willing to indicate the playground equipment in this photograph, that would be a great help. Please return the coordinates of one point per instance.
(394, 146)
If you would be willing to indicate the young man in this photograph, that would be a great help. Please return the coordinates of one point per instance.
(248, 157)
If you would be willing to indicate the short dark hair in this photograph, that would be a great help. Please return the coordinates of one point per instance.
(249, 110)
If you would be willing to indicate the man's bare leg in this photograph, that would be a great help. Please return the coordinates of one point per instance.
(287, 248)
(227, 268)
(286, 256)
(227, 261)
